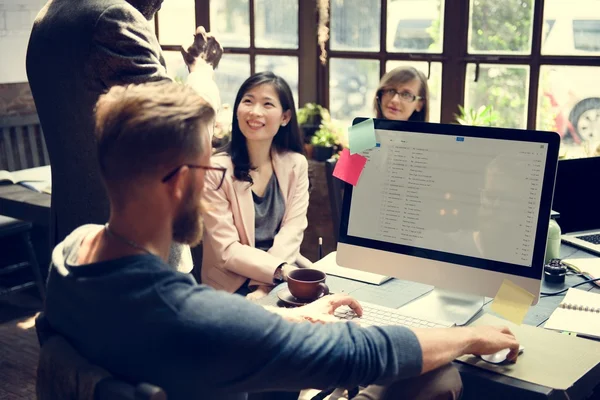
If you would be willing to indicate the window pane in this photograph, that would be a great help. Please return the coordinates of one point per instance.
(284, 66)
(434, 82)
(569, 103)
(276, 24)
(176, 22)
(355, 24)
(230, 22)
(504, 88)
(571, 27)
(176, 67)
(501, 26)
(233, 70)
(352, 86)
(415, 25)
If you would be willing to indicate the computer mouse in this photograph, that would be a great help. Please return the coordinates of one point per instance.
(499, 356)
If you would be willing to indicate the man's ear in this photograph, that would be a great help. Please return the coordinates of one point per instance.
(177, 184)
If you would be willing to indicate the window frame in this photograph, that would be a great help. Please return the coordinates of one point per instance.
(313, 79)
(304, 53)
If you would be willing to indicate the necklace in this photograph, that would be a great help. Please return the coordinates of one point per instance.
(125, 240)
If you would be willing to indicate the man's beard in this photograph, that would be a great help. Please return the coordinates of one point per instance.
(187, 226)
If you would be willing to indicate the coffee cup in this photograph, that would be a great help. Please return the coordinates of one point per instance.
(307, 284)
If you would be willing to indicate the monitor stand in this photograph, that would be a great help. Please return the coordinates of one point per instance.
(445, 305)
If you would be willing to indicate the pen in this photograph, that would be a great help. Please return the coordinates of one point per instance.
(320, 255)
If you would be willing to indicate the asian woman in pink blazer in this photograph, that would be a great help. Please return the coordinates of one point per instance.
(254, 223)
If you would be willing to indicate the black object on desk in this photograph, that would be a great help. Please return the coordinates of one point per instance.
(573, 194)
(320, 249)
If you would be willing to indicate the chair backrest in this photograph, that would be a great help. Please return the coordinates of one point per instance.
(336, 190)
(22, 143)
(64, 374)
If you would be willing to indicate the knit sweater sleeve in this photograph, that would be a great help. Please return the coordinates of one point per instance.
(250, 349)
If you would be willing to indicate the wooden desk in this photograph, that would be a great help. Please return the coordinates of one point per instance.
(480, 383)
(19, 202)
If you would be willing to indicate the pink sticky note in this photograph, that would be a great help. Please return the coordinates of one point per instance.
(349, 167)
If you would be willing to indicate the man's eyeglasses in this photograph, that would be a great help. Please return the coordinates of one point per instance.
(405, 96)
(176, 170)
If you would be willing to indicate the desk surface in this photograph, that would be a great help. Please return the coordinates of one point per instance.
(537, 316)
(17, 201)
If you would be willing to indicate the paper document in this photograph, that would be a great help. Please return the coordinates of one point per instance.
(329, 265)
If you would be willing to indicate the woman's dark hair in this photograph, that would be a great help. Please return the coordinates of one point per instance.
(288, 137)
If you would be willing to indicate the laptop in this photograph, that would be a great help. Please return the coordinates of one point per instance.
(577, 204)
(586, 240)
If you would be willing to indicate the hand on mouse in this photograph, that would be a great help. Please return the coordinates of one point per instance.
(491, 339)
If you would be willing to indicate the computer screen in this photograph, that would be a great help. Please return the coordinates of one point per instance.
(451, 205)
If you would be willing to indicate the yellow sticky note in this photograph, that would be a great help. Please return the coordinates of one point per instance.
(512, 302)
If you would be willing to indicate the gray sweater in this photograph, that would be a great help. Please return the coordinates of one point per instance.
(143, 321)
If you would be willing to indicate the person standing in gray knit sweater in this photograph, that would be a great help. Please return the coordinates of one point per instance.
(77, 51)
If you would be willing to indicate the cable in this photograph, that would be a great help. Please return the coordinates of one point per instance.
(545, 294)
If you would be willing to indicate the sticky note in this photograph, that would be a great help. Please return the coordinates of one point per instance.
(361, 136)
(349, 167)
(512, 302)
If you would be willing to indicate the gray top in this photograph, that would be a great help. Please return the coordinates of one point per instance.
(268, 214)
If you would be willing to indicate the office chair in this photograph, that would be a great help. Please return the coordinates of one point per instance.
(63, 373)
(335, 188)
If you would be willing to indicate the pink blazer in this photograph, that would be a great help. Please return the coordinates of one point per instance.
(229, 256)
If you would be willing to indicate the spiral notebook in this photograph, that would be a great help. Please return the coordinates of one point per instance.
(579, 312)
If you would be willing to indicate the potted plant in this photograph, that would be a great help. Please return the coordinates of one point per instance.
(483, 116)
(325, 141)
(310, 118)
(222, 130)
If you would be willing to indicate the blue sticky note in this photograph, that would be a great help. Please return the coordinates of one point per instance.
(361, 136)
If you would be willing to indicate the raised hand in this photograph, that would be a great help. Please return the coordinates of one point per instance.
(205, 47)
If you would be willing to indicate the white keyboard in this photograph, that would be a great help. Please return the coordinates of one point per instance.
(375, 315)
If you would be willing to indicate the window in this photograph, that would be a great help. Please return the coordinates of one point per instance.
(413, 35)
(361, 50)
(586, 35)
(569, 103)
(534, 62)
(504, 88)
(264, 38)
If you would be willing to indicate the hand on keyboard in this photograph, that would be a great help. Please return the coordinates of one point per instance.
(322, 310)
(374, 315)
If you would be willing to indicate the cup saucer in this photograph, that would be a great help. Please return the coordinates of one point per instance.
(285, 296)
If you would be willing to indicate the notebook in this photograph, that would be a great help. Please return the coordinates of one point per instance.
(579, 312)
(38, 179)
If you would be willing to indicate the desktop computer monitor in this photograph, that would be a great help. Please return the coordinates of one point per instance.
(461, 208)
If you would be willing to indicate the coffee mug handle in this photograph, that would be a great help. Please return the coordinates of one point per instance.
(324, 289)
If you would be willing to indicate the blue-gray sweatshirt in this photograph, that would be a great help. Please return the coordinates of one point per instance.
(143, 321)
